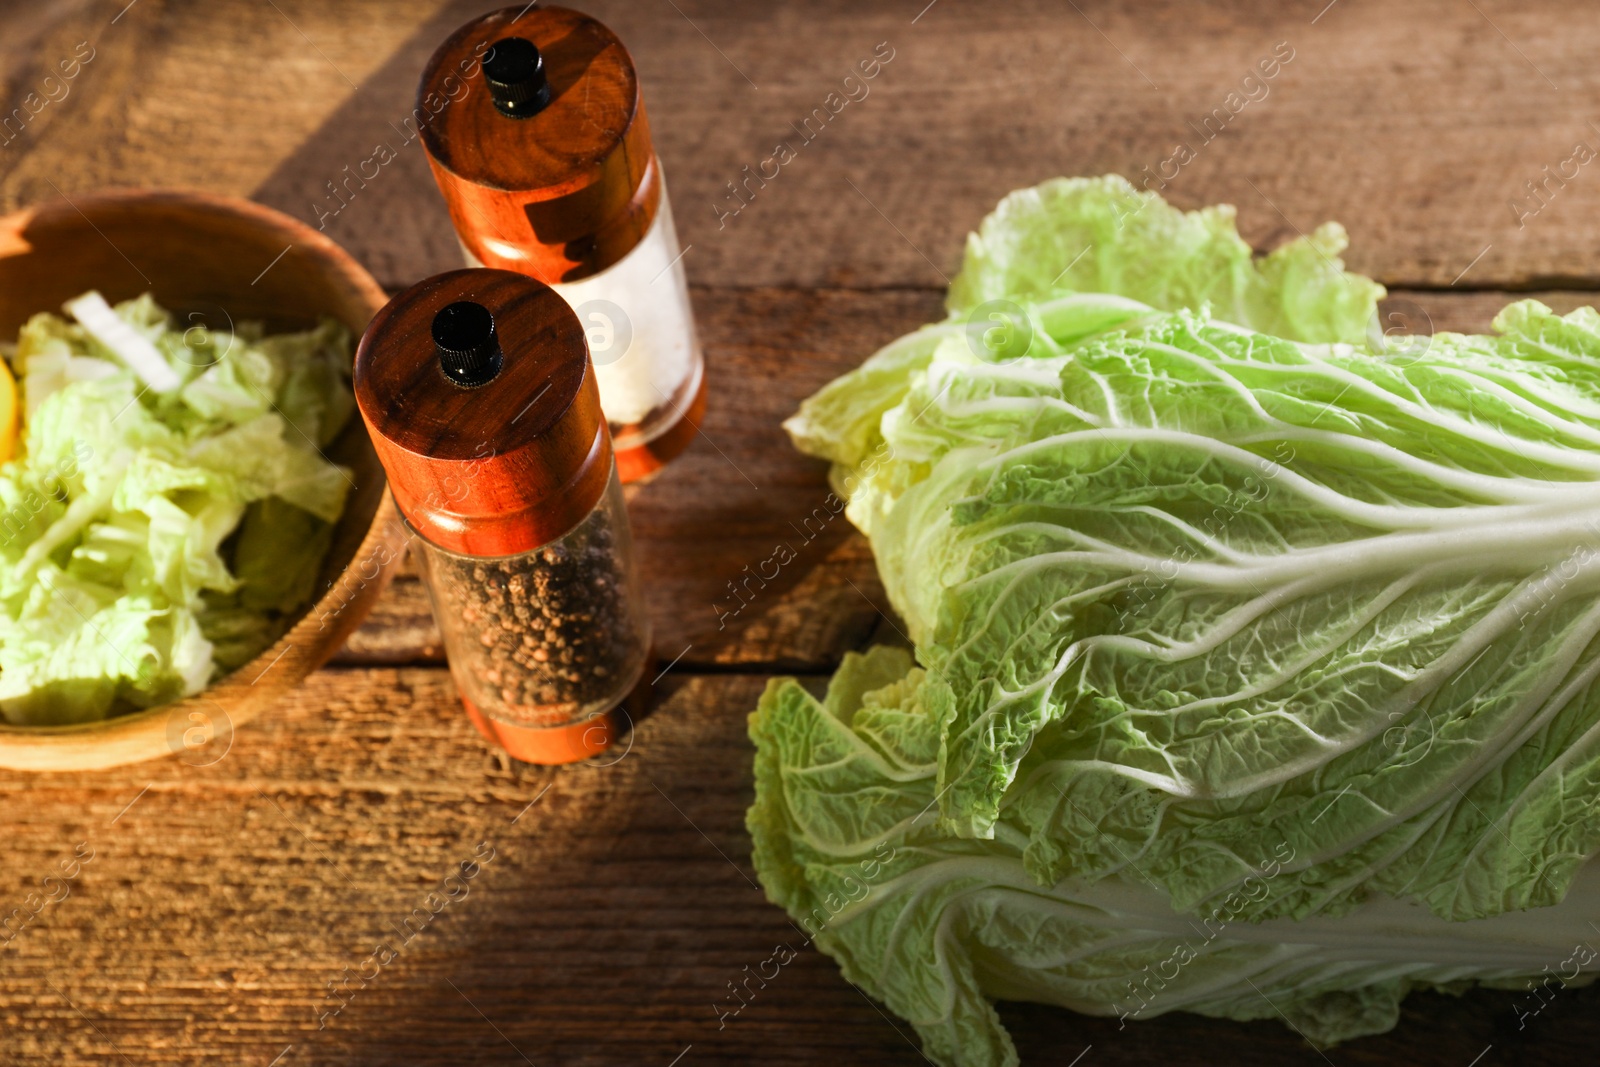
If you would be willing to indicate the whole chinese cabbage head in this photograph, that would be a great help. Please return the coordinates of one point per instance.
(1254, 668)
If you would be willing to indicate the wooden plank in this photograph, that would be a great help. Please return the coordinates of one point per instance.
(1466, 311)
(618, 905)
(1416, 125)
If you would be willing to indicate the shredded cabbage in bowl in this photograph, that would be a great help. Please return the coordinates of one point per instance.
(169, 507)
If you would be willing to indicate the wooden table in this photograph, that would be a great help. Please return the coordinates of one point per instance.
(223, 899)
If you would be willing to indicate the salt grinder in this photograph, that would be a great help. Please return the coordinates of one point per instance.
(546, 164)
(478, 392)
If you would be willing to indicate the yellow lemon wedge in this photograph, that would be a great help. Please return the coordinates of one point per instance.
(8, 412)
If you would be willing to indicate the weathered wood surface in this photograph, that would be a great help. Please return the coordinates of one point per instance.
(223, 898)
(619, 902)
(1416, 124)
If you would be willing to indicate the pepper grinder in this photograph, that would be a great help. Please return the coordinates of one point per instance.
(478, 393)
(546, 165)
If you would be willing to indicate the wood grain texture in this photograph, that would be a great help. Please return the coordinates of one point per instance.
(221, 900)
(224, 897)
(561, 194)
(509, 464)
(1416, 125)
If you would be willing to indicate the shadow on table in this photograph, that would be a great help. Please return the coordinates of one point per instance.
(362, 178)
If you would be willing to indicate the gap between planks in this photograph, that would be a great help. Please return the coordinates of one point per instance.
(1561, 284)
(683, 671)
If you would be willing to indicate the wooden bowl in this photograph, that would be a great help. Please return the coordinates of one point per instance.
(207, 259)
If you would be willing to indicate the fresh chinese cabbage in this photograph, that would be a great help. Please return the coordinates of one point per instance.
(170, 506)
(1211, 624)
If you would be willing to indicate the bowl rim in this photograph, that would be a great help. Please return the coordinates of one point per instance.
(14, 222)
(141, 735)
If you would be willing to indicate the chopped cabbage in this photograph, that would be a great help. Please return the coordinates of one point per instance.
(168, 511)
